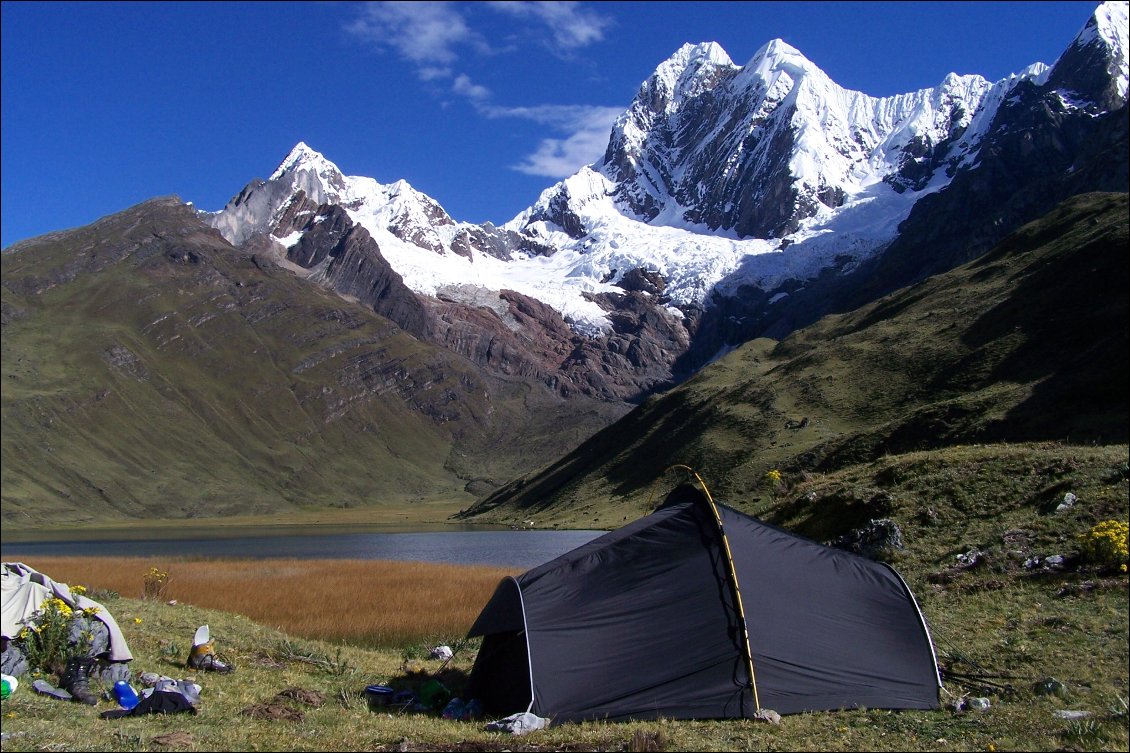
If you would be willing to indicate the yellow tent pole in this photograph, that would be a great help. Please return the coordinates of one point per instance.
(733, 579)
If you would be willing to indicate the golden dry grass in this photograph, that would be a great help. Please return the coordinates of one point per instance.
(360, 602)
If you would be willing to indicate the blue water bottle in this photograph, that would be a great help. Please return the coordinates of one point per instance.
(126, 695)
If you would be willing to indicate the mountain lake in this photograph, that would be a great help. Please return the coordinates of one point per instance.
(448, 544)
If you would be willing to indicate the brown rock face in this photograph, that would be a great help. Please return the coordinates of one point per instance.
(344, 257)
(533, 340)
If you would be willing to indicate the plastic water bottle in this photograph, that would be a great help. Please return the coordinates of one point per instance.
(435, 695)
(126, 695)
(8, 685)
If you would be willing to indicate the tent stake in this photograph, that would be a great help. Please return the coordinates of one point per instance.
(733, 580)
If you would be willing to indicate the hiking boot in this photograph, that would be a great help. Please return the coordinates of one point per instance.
(213, 663)
(204, 657)
(76, 680)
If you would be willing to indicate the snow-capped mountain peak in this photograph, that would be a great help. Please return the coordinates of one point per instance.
(397, 208)
(1109, 23)
(716, 178)
(303, 158)
(686, 74)
(777, 57)
(1101, 44)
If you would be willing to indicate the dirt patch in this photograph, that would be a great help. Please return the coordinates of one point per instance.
(308, 697)
(274, 712)
(175, 740)
(281, 707)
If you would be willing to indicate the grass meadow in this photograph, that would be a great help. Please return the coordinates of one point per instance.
(1002, 630)
(368, 603)
(307, 636)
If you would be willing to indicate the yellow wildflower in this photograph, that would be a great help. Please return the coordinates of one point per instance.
(59, 606)
(1106, 544)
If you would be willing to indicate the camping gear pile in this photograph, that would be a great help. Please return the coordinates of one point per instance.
(96, 665)
(26, 595)
(420, 691)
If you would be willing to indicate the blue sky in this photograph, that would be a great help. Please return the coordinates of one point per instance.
(479, 105)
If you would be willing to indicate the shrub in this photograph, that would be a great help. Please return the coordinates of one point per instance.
(775, 480)
(155, 583)
(56, 633)
(1105, 545)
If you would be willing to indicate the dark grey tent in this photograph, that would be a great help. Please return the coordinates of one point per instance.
(647, 622)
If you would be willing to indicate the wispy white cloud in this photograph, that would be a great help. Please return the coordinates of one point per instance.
(433, 72)
(463, 85)
(434, 36)
(571, 25)
(422, 33)
(585, 136)
(560, 158)
(567, 117)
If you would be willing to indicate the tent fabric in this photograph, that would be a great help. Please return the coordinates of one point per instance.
(24, 589)
(503, 659)
(642, 623)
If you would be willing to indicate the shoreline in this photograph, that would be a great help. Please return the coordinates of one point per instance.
(394, 518)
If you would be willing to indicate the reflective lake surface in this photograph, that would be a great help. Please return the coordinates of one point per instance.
(502, 548)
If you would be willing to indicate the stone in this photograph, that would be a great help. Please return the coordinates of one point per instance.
(1068, 502)
(1070, 715)
(1050, 686)
(767, 715)
(871, 540)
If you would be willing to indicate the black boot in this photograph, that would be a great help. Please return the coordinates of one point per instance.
(76, 680)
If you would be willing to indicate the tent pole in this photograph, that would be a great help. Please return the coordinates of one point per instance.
(733, 580)
(526, 632)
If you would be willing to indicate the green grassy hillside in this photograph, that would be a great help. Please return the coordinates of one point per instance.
(1027, 344)
(150, 370)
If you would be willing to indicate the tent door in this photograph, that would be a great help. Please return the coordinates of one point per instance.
(501, 676)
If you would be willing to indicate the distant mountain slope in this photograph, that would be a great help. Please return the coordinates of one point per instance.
(1029, 342)
(152, 370)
